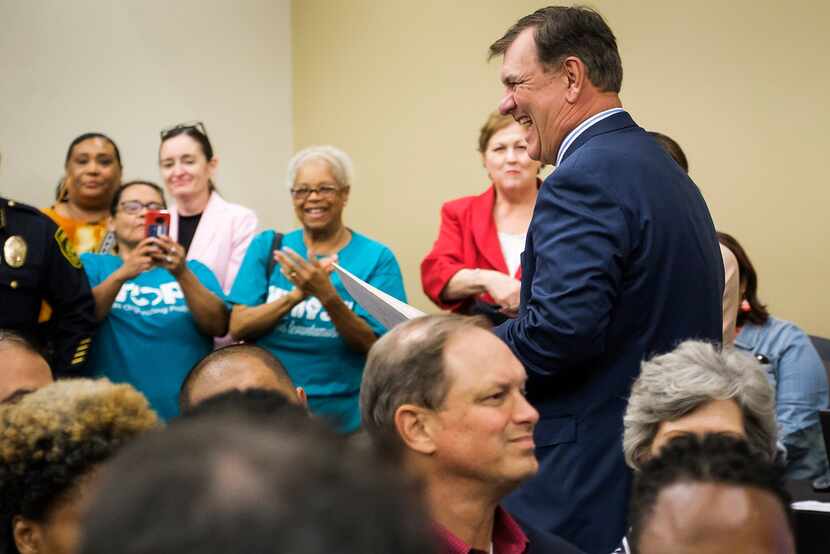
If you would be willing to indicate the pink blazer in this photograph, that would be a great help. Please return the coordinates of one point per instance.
(222, 237)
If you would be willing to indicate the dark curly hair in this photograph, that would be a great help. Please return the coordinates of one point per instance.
(715, 458)
(54, 436)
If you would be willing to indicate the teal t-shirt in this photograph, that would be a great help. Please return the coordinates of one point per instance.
(305, 339)
(149, 339)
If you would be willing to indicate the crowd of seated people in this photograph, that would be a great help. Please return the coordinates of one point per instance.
(450, 435)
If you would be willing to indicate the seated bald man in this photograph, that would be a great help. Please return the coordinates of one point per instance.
(23, 370)
(714, 495)
(445, 398)
(237, 367)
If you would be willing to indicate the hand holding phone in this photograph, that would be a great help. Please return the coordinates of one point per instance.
(169, 255)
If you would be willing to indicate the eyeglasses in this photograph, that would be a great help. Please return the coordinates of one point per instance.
(198, 125)
(133, 207)
(325, 191)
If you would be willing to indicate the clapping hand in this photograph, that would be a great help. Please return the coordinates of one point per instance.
(309, 276)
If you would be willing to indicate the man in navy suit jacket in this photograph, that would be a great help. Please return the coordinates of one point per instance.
(621, 262)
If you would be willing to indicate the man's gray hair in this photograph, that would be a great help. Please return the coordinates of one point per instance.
(673, 385)
(406, 366)
(338, 161)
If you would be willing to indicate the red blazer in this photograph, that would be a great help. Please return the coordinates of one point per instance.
(468, 239)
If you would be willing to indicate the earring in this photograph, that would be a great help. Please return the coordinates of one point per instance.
(745, 307)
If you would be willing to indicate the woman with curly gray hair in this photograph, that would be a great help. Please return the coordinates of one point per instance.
(51, 443)
(287, 300)
(699, 388)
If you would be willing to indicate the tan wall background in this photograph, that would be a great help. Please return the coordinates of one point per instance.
(404, 88)
(742, 85)
(131, 68)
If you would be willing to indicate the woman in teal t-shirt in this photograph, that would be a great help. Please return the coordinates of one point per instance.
(158, 313)
(298, 309)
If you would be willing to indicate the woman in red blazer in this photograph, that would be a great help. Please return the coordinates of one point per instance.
(475, 264)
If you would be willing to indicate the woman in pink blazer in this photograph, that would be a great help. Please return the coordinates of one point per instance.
(212, 230)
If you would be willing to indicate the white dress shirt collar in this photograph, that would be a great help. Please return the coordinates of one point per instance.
(581, 128)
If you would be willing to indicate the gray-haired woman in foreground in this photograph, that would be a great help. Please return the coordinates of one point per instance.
(698, 389)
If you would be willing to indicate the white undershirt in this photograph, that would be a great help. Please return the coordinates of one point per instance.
(512, 247)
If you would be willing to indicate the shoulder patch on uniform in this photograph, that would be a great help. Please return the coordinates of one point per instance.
(66, 248)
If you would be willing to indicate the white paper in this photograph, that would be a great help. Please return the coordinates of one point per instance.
(387, 309)
(812, 506)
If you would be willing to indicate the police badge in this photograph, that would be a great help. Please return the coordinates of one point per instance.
(15, 250)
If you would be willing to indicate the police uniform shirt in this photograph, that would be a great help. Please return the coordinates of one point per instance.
(37, 263)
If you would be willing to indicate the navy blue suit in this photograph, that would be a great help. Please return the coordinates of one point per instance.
(621, 263)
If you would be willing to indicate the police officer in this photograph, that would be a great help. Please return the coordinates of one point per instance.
(37, 262)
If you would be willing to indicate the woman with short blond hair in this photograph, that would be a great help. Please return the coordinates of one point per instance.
(475, 264)
(53, 441)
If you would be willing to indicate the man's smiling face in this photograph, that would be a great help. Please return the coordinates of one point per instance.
(535, 97)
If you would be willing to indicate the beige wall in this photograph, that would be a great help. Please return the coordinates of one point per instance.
(130, 68)
(742, 85)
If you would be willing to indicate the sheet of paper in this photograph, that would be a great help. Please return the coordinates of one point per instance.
(812, 506)
(387, 309)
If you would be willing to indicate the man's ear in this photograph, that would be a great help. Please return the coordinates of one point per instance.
(415, 428)
(27, 535)
(576, 74)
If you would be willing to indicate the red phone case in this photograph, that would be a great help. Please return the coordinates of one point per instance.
(157, 223)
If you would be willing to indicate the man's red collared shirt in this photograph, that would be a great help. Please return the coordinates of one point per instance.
(508, 537)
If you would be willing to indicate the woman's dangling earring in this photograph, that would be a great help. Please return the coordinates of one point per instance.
(745, 307)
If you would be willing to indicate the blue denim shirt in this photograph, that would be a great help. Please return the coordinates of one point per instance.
(798, 376)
